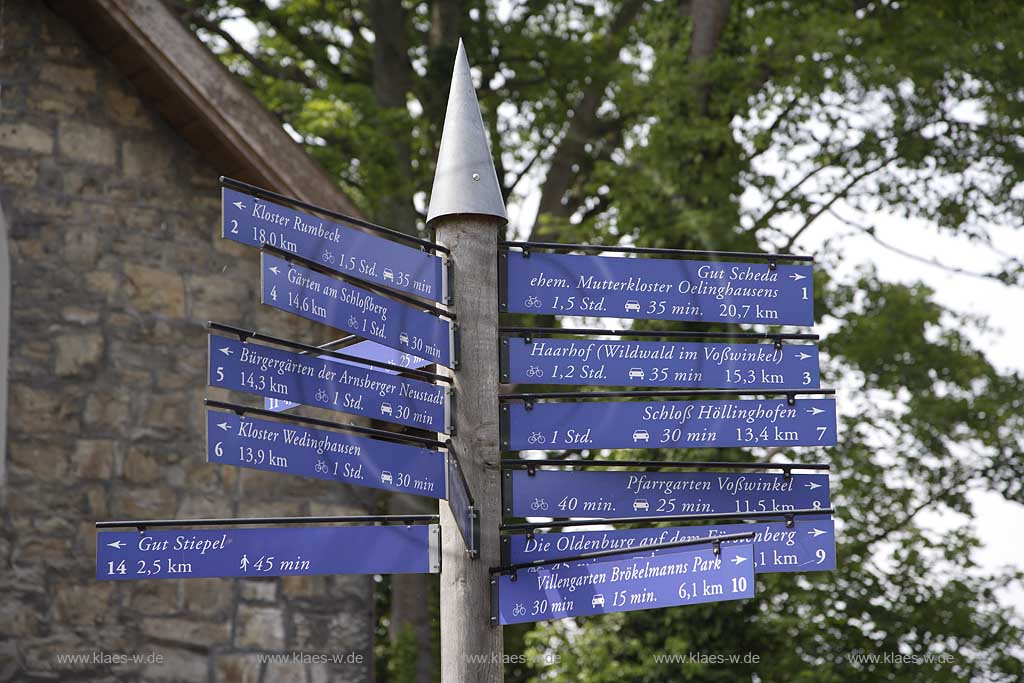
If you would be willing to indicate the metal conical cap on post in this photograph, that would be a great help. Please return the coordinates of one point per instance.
(464, 180)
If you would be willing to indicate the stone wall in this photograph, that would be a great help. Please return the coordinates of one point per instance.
(117, 264)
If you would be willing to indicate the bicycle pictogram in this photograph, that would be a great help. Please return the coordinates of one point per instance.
(532, 302)
(536, 437)
(519, 610)
(534, 371)
(321, 395)
(539, 504)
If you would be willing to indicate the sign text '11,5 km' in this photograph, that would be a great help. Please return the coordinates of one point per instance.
(613, 494)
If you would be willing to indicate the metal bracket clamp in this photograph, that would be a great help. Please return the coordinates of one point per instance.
(494, 600)
(506, 492)
(791, 399)
(504, 425)
(716, 548)
(456, 342)
(504, 366)
(790, 520)
(448, 281)
(503, 280)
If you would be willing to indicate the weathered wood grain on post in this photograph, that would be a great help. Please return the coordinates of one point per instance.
(467, 210)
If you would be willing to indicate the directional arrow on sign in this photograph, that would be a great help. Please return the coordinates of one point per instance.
(816, 532)
(815, 411)
(739, 559)
(274, 270)
(224, 425)
(239, 205)
(226, 351)
(117, 544)
(803, 356)
(811, 485)
(798, 276)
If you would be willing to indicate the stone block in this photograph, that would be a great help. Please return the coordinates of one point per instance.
(156, 291)
(36, 410)
(26, 137)
(155, 598)
(208, 597)
(177, 665)
(73, 77)
(259, 590)
(84, 604)
(78, 353)
(259, 627)
(137, 502)
(124, 107)
(140, 467)
(144, 159)
(19, 171)
(187, 631)
(286, 672)
(37, 459)
(237, 669)
(88, 143)
(81, 246)
(93, 459)
(216, 297)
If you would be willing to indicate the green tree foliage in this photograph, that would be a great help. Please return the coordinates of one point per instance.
(742, 124)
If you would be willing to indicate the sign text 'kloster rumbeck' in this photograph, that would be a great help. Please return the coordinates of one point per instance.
(344, 249)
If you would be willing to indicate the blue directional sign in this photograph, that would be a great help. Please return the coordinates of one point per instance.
(615, 494)
(285, 551)
(324, 299)
(659, 364)
(669, 424)
(659, 289)
(276, 373)
(337, 246)
(460, 502)
(364, 349)
(321, 454)
(808, 546)
(680, 576)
